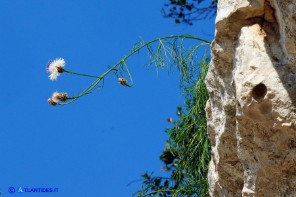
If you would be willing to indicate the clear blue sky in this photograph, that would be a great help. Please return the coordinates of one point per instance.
(97, 145)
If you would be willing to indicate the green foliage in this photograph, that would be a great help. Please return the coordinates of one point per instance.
(187, 11)
(189, 135)
(187, 154)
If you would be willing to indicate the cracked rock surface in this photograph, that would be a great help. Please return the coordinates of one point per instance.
(251, 111)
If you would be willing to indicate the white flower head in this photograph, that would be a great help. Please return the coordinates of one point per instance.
(55, 68)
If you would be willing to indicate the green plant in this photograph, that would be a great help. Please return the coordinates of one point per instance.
(187, 155)
(188, 152)
(169, 51)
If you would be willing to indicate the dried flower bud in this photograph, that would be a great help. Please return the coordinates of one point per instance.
(122, 81)
(63, 96)
(52, 101)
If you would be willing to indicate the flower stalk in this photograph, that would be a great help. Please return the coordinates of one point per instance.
(56, 67)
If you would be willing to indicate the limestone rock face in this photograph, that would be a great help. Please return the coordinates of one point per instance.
(252, 107)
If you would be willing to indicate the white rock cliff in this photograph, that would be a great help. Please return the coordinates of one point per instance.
(252, 107)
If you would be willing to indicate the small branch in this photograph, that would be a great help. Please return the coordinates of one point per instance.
(123, 60)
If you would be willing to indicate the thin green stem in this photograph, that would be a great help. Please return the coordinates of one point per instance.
(80, 74)
(130, 76)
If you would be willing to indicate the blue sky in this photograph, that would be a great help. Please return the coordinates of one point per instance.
(97, 145)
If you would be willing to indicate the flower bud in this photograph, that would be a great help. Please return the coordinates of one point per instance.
(122, 81)
(52, 101)
(63, 96)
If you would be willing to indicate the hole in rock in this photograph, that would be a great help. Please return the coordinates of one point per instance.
(259, 91)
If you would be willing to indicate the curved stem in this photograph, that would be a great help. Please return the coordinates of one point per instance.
(130, 76)
(98, 80)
